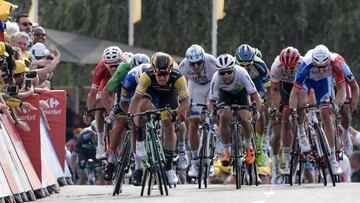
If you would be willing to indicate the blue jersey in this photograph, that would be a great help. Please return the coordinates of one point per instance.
(130, 82)
(260, 75)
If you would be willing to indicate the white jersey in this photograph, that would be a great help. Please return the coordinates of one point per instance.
(278, 74)
(206, 74)
(242, 80)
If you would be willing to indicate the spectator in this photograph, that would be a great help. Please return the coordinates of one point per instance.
(38, 34)
(24, 23)
(20, 40)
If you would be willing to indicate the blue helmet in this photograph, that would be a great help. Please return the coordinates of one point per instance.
(195, 53)
(245, 53)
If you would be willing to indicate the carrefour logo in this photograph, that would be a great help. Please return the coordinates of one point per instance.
(53, 102)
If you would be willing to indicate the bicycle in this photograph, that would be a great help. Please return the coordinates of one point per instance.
(207, 145)
(320, 149)
(238, 154)
(155, 158)
(122, 165)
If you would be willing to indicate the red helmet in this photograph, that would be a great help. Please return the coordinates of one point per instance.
(289, 57)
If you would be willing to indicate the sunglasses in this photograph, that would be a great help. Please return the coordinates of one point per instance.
(162, 73)
(39, 34)
(229, 72)
(196, 63)
(26, 24)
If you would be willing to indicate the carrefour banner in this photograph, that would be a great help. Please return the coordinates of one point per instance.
(56, 119)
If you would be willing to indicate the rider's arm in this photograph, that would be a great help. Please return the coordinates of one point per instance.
(340, 96)
(275, 94)
(354, 93)
(255, 97)
(106, 99)
(91, 98)
(143, 84)
(183, 93)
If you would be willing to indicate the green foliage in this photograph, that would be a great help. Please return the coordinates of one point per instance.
(173, 25)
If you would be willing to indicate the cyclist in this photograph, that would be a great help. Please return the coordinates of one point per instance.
(164, 84)
(114, 86)
(231, 84)
(198, 68)
(102, 73)
(259, 73)
(282, 79)
(349, 107)
(318, 71)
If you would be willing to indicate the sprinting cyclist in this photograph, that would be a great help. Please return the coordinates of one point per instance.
(164, 84)
(198, 68)
(111, 58)
(318, 71)
(231, 84)
(114, 86)
(282, 80)
(259, 73)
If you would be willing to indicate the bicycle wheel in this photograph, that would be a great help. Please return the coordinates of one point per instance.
(236, 157)
(202, 157)
(324, 148)
(122, 164)
(162, 181)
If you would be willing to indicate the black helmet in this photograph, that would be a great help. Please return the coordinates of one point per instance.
(162, 61)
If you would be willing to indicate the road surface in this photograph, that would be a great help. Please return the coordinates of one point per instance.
(309, 193)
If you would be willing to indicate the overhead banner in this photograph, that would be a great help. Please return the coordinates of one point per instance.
(56, 119)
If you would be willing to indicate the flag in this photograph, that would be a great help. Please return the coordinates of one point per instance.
(220, 9)
(32, 11)
(5, 9)
(136, 11)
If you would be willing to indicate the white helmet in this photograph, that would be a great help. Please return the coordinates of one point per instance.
(195, 53)
(112, 55)
(138, 59)
(321, 55)
(225, 61)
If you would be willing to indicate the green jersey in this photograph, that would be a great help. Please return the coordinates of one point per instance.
(118, 77)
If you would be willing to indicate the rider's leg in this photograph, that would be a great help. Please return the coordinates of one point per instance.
(99, 117)
(345, 123)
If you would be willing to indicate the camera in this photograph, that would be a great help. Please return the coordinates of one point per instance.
(28, 83)
(12, 89)
(31, 74)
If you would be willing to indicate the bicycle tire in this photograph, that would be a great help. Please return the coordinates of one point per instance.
(323, 144)
(202, 157)
(236, 162)
(124, 162)
(162, 179)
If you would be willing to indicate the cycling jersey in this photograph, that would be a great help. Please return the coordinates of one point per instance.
(130, 82)
(199, 84)
(101, 73)
(241, 81)
(163, 95)
(321, 80)
(260, 75)
(176, 82)
(118, 77)
(206, 74)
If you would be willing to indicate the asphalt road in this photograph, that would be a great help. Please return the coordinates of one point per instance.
(309, 193)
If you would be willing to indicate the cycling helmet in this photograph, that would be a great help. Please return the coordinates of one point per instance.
(258, 53)
(289, 57)
(126, 57)
(245, 53)
(195, 53)
(138, 59)
(321, 55)
(225, 61)
(162, 61)
(112, 55)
